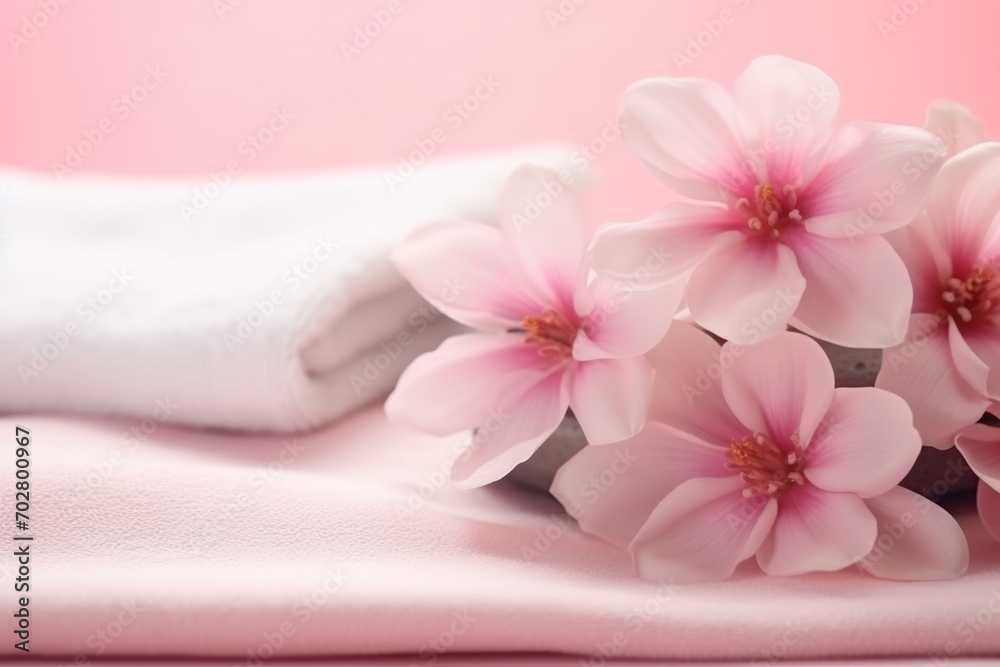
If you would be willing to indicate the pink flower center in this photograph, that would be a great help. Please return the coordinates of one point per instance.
(764, 467)
(770, 211)
(974, 296)
(552, 333)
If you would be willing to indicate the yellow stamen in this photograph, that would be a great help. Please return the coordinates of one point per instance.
(551, 332)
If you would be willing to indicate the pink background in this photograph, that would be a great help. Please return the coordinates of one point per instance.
(224, 75)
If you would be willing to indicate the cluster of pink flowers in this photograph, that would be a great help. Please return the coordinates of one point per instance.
(868, 235)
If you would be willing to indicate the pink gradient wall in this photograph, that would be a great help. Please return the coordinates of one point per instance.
(560, 67)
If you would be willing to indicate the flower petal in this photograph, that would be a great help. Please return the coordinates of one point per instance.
(687, 392)
(988, 502)
(611, 490)
(684, 129)
(746, 292)
(980, 445)
(964, 207)
(781, 387)
(543, 222)
(627, 320)
(701, 531)
(665, 246)
(866, 445)
(789, 107)
(610, 397)
(858, 292)
(454, 387)
(922, 371)
(817, 531)
(519, 424)
(955, 125)
(462, 270)
(967, 360)
(926, 261)
(874, 179)
(917, 539)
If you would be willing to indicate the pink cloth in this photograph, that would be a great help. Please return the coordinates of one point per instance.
(197, 544)
(515, 660)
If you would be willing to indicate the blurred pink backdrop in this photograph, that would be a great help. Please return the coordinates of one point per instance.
(221, 67)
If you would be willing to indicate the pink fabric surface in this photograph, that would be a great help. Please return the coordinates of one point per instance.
(543, 660)
(186, 543)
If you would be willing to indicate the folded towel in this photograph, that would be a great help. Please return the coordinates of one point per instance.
(259, 303)
(350, 541)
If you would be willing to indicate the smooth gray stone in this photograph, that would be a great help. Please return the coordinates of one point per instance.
(853, 367)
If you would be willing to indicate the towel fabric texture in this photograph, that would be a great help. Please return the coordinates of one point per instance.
(260, 303)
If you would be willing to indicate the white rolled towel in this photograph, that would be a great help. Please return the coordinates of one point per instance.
(264, 304)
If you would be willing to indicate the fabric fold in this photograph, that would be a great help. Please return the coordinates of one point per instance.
(265, 303)
(352, 540)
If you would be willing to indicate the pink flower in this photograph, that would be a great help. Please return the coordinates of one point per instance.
(948, 368)
(980, 445)
(750, 450)
(955, 125)
(554, 341)
(792, 233)
(945, 398)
